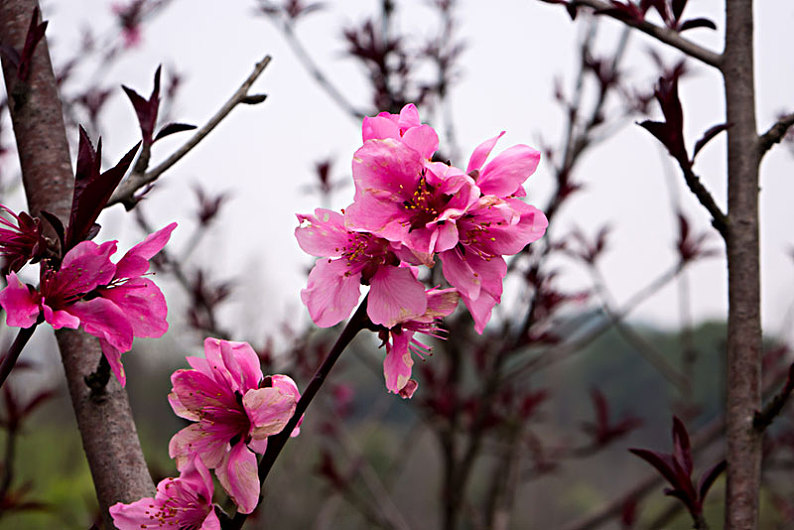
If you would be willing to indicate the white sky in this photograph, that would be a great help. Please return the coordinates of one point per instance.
(264, 155)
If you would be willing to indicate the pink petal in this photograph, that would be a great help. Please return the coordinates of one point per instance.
(378, 128)
(481, 153)
(59, 319)
(136, 261)
(269, 410)
(132, 516)
(408, 117)
(85, 267)
(398, 362)
(193, 440)
(197, 391)
(113, 357)
(239, 477)
(332, 292)
(103, 319)
(423, 139)
(471, 274)
(504, 174)
(480, 309)
(395, 295)
(243, 364)
(322, 234)
(407, 392)
(286, 384)
(511, 239)
(21, 305)
(143, 304)
(181, 410)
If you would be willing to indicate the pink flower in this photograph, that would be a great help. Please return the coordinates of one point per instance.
(20, 241)
(182, 502)
(403, 198)
(497, 224)
(401, 344)
(405, 127)
(504, 175)
(349, 259)
(111, 302)
(235, 410)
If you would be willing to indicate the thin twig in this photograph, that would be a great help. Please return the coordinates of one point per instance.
(660, 33)
(775, 133)
(718, 218)
(276, 443)
(765, 417)
(314, 70)
(11, 356)
(125, 193)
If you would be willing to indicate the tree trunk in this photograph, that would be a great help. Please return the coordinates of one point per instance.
(109, 436)
(744, 319)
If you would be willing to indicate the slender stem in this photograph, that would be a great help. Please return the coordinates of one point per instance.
(276, 443)
(663, 34)
(125, 192)
(743, 442)
(10, 359)
(775, 133)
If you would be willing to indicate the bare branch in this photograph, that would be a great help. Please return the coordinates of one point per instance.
(775, 133)
(318, 75)
(718, 218)
(662, 34)
(125, 193)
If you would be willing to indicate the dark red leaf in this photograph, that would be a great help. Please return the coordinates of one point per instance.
(693, 23)
(707, 480)
(678, 8)
(708, 136)
(662, 462)
(56, 225)
(172, 128)
(146, 109)
(682, 451)
(92, 189)
(32, 39)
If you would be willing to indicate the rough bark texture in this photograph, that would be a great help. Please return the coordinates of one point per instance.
(109, 437)
(744, 321)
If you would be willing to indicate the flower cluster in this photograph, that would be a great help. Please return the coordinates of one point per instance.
(234, 409)
(407, 210)
(111, 301)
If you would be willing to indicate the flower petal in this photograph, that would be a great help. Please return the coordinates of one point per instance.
(239, 477)
(332, 292)
(143, 304)
(136, 261)
(322, 234)
(269, 410)
(395, 295)
(21, 305)
(504, 174)
(398, 363)
(481, 153)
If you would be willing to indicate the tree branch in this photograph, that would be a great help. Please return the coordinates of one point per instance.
(775, 133)
(125, 193)
(662, 34)
(718, 218)
(106, 425)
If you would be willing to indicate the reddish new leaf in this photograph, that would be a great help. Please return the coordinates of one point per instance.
(172, 128)
(146, 109)
(91, 189)
(708, 136)
(693, 23)
(708, 479)
(32, 39)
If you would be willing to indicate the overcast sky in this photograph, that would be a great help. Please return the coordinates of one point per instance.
(264, 155)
